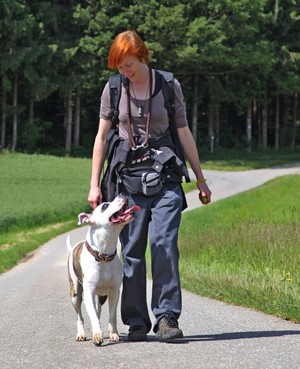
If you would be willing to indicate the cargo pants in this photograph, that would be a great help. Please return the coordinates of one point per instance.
(158, 220)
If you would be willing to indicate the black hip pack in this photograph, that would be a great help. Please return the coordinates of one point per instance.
(140, 177)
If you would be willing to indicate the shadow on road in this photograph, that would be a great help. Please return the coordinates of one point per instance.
(230, 336)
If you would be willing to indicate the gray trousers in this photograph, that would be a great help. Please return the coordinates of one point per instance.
(159, 218)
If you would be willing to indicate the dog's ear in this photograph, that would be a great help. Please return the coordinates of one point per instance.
(85, 217)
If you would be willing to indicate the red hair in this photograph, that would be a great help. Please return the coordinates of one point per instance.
(127, 43)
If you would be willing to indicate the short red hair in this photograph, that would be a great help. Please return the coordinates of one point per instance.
(127, 43)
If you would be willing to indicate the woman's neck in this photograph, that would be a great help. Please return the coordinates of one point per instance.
(143, 75)
(141, 85)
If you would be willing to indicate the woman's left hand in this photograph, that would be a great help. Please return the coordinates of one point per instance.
(204, 193)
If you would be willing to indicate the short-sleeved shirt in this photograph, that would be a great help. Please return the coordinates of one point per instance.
(159, 122)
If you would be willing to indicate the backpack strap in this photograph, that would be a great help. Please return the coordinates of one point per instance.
(168, 92)
(115, 88)
(169, 96)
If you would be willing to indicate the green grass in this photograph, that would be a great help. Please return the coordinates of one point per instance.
(243, 250)
(39, 189)
(16, 245)
(237, 160)
(40, 197)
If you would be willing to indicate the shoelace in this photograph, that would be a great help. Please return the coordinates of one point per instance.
(171, 320)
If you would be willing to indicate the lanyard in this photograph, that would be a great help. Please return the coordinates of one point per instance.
(133, 145)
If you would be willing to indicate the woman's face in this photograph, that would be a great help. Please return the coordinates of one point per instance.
(132, 68)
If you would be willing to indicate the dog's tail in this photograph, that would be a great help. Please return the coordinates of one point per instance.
(69, 246)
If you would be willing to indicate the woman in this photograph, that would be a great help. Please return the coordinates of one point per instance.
(144, 129)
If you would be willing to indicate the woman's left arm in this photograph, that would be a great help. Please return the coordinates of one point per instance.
(191, 154)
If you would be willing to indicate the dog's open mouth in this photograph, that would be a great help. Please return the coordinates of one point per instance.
(124, 214)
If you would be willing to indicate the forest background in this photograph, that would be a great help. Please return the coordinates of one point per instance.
(238, 62)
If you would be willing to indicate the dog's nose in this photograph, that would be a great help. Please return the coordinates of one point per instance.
(122, 196)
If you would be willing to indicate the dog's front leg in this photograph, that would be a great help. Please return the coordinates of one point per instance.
(90, 305)
(113, 299)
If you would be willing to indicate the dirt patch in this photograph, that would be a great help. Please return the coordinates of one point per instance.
(27, 257)
(6, 246)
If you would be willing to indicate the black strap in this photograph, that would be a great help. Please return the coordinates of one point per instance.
(168, 92)
(115, 86)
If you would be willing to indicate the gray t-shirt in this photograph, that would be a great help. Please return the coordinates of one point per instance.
(159, 117)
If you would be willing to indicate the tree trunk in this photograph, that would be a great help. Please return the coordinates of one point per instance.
(277, 122)
(15, 115)
(295, 109)
(249, 127)
(195, 108)
(217, 126)
(3, 120)
(285, 122)
(256, 119)
(265, 123)
(69, 122)
(77, 118)
(31, 111)
(211, 131)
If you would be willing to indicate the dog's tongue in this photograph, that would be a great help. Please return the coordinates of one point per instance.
(122, 217)
(133, 209)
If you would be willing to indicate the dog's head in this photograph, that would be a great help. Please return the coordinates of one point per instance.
(110, 213)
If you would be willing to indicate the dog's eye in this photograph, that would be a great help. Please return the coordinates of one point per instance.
(104, 206)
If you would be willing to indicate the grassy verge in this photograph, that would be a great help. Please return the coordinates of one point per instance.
(38, 189)
(245, 249)
(16, 245)
(238, 160)
(40, 198)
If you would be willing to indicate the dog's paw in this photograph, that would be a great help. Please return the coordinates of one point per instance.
(113, 337)
(97, 338)
(81, 337)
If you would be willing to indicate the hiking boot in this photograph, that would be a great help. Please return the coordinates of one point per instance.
(167, 327)
(137, 333)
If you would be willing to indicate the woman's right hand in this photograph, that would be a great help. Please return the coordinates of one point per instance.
(95, 197)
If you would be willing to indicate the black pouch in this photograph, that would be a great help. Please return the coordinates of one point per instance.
(152, 183)
(131, 178)
(141, 180)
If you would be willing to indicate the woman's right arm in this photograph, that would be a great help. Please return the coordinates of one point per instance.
(95, 196)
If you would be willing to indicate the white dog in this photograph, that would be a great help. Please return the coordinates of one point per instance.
(94, 268)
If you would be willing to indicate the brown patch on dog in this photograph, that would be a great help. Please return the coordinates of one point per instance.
(72, 289)
(76, 266)
(76, 261)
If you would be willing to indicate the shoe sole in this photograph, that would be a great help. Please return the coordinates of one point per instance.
(172, 337)
(137, 337)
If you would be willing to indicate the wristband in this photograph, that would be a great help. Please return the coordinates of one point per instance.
(202, 180)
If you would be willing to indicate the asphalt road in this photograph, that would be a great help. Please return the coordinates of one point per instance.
(38, 323)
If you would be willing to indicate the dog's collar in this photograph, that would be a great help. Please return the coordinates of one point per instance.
(99, 255)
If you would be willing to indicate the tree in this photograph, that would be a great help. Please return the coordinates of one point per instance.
(284, 33)
(237, 61)
(16, 24)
